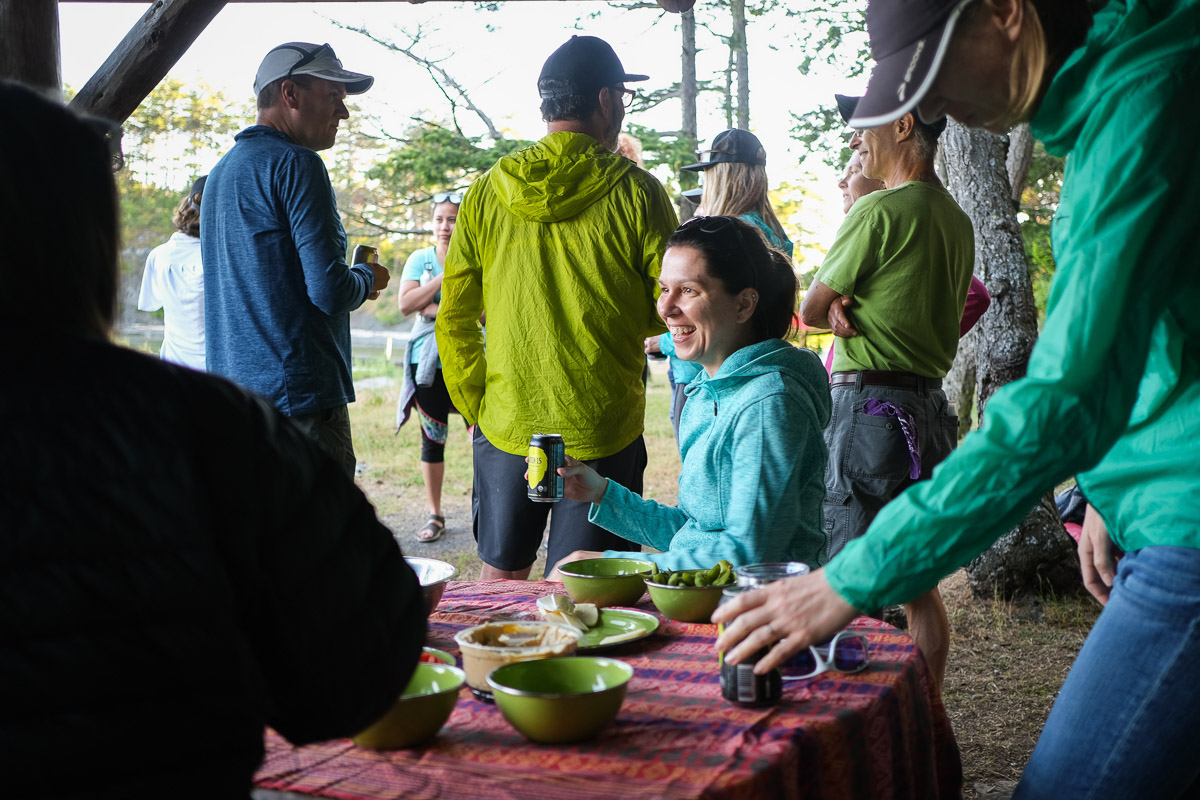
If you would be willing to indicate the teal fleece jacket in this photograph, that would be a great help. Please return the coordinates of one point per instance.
(753, 468)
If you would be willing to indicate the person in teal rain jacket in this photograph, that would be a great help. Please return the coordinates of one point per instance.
(751, 484)
(1112, 391)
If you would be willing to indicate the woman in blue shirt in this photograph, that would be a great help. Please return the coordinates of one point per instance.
(420, 294)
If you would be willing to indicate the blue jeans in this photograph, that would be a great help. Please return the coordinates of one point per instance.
(1124, 724)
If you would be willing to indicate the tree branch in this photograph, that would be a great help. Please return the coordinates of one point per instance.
(441, 78)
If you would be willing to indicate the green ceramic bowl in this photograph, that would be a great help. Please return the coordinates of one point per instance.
(685, 603)
(606, 581)
(561, 700)
(420, 712)
(440, 655)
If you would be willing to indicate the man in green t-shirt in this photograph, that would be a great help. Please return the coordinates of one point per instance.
(893, 286)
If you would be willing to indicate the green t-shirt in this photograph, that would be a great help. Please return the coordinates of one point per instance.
(905, 255)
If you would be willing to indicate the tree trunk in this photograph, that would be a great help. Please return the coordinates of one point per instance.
(687, 84)
(688, 92)
(29, 44)
(1037, 555)
(1020, 156)
(741, 56)
(959, 383)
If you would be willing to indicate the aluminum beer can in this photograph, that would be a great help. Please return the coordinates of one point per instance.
(546, 454)
(364, 254)
(739, 683)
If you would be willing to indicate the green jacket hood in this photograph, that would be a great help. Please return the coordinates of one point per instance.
(558, 177)
(1128, 38)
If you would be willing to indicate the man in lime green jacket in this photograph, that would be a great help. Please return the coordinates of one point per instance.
(560, 246)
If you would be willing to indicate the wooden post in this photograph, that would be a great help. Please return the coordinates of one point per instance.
(29, 44)
(152, 46)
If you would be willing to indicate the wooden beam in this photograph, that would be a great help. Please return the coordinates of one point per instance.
(148, 51)
(299, 2)
(29, 44)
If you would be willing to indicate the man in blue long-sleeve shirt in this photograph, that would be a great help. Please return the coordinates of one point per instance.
(278, 290)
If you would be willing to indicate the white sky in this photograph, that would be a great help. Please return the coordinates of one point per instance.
(496, 56)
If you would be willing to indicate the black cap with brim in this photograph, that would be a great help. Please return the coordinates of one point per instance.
(846, 106)
(908, 40)
(584, 64)
(734, 146)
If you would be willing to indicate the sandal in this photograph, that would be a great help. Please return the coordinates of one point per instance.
(434, 529)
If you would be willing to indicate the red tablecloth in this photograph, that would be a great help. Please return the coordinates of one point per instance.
(877, 734)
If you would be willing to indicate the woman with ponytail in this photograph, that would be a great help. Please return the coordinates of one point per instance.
(751, 484)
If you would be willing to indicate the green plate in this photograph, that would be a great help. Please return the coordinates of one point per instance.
(616, 621)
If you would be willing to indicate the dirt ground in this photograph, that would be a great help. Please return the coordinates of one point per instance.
(1007, 660)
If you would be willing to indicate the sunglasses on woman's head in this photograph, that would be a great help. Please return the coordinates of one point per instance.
(720, 225)
(846, 652)
(447, 197)
(709, 224)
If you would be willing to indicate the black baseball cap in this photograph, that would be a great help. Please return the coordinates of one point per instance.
(908, 42)
(733, 146)
(847, 105)
(587, 64)
(197, 189)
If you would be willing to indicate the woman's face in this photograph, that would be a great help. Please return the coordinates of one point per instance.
(444, 217)
(854, 184)
(974, 83)
(707, 323)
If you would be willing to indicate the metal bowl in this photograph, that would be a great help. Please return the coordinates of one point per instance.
(433, 575)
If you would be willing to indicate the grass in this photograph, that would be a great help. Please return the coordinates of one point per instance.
(390, 460)
(1007, 660)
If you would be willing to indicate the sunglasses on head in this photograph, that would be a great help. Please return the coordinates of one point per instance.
(447, 197)
(846, 652)
(720, 226)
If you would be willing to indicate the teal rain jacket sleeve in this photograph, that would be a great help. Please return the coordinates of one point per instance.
(1112, 384)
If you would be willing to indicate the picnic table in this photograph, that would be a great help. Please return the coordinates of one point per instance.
(881, 733)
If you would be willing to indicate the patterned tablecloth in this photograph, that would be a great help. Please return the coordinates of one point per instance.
(877, 734)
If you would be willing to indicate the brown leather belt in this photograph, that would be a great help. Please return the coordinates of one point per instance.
(879, 377)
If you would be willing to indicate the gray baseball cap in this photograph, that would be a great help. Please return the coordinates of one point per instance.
(304, 58)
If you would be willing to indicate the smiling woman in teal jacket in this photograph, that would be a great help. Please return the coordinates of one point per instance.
(753, 456)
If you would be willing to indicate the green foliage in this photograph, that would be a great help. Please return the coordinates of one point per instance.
(166, 140)
(1039, 201)
(146, 212)
(831, 40)
(435, 158)
(823, 134)
(669, 149)
(176, 130)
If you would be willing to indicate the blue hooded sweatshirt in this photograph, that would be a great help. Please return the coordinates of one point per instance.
(753, 471)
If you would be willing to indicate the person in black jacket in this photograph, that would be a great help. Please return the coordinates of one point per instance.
(178, 565)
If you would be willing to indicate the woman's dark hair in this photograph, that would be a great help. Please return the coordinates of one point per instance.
(54, 166)
(187, 217)
(737, 254)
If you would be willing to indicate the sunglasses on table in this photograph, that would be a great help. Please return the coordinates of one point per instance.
(846, 652)
(447, 197)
